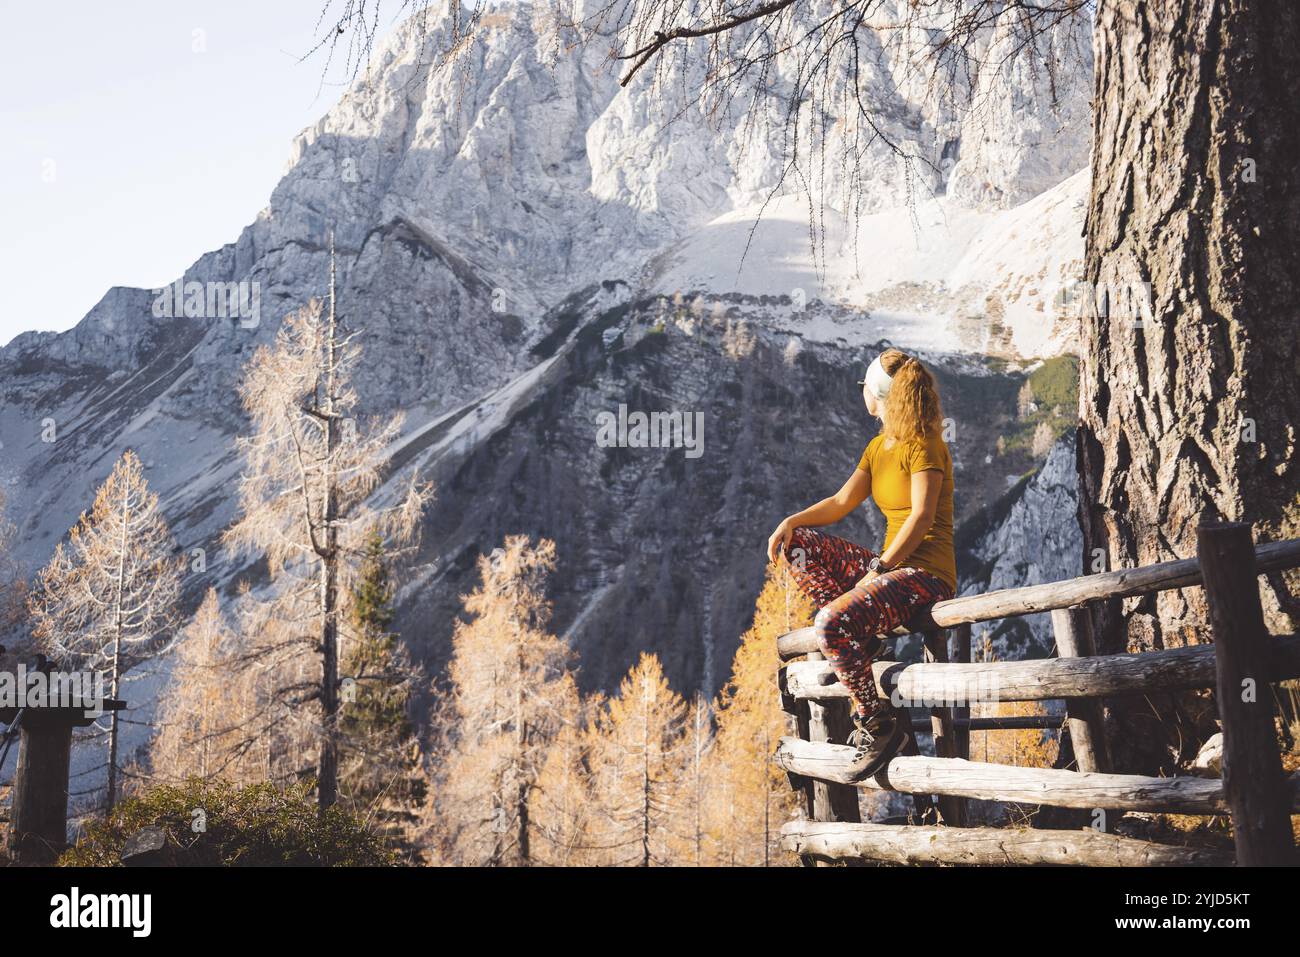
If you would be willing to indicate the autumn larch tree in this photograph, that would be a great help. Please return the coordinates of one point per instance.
(513, 696)
(750, 797)
(106, 602)
(640, 761)
(561, 812)
(310, 470)
(205, 705)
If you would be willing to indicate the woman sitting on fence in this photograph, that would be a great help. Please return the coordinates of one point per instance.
(907, 470)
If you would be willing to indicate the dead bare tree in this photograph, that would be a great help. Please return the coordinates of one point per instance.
(306, 491)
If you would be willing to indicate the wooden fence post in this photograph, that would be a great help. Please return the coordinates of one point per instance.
(832, 722)
(38, 832)
(1252, 769)
(1072, 628)
(952, 810)
(961, 655)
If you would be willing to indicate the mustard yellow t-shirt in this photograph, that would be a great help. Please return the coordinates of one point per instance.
(891, 487)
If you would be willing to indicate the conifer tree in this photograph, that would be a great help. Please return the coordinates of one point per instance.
(381, 774)
(751, 795)
(311, 468)
(106, 600)
(561, 811)
(639, 770)
(700, 739)
(207, 699)
(513, 696)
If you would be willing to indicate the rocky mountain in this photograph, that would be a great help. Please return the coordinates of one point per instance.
(524, 246)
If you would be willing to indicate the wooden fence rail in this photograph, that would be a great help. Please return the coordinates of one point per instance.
(955, 777)
(1013, 602)
(1042, 679)
(1241, 664)
(910, 844)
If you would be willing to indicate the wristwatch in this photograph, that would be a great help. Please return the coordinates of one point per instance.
(879, 567)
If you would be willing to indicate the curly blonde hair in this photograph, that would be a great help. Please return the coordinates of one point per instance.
(912, 408)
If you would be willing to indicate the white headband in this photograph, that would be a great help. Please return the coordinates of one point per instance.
(877, 379)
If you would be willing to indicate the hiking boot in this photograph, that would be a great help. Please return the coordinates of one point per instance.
(874, 741)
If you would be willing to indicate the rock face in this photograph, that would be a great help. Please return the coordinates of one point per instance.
(1030, 537)
(522, 246)
(662, 549)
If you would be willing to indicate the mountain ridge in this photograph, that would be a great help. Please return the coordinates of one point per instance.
(507, 245)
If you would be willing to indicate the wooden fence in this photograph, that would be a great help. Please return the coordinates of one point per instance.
(39, 818)
(1241, 664)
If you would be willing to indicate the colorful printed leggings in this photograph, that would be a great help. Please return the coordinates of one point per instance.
(853, 614)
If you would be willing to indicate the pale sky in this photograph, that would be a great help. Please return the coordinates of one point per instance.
(138, 135)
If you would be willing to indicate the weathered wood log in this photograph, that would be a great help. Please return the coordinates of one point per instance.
(803, 641)
(1252, 769)
(1072, 628)
(788, 703)
(38, 830)
(1041, 679)
(798, 783)
(997, 722)
(997, 782)
(38, 833)
(909, 844)
(961, 715)
(952, 810)
(830, 722)
(1010, 602)
(923, 806)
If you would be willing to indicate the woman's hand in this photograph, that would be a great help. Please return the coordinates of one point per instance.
(779, 543)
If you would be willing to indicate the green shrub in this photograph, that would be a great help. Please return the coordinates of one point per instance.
(255, 825)
(1054, 388)
(1056, 382)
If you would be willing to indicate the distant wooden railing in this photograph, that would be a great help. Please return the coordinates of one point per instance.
(1253, 789)
(39, 818)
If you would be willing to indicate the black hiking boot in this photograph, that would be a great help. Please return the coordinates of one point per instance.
(874, 741)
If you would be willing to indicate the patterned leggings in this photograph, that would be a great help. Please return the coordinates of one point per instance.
(853, 614)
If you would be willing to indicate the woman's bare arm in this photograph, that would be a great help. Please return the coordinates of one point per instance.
(826, 512)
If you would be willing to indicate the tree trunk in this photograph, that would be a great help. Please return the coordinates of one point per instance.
(329, 701)
(521, 752)
(116, 677)
(645, 782)
(1189, 402)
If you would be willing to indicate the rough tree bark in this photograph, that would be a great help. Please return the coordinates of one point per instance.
(1189, 409)
(328, 785)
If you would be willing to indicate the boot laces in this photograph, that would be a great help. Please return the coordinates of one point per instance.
(864, 735)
